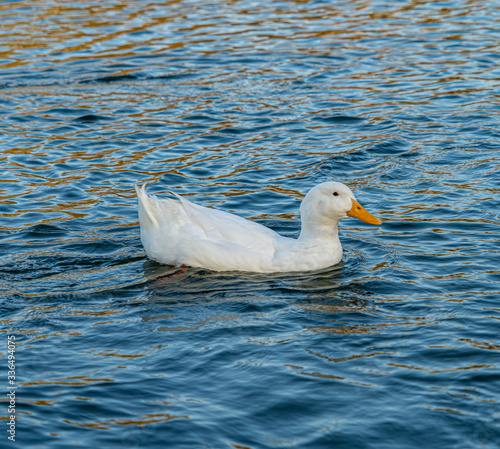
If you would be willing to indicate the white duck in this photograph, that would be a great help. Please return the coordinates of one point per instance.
(182, 233)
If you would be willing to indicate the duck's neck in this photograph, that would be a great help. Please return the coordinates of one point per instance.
(319, 232)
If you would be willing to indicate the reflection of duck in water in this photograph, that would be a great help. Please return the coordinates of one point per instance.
(180, 232)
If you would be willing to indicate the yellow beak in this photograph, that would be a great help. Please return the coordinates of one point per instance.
(359, 212)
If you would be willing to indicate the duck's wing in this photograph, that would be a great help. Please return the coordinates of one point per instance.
(223, 241)
(216, 225)
(183, 232)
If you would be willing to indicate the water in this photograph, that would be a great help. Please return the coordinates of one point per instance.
(244, 106)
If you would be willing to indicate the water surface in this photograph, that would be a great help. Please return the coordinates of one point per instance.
(244, 106)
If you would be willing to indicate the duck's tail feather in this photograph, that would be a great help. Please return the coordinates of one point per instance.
(146, 215)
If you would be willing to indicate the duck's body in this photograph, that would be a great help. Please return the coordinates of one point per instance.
(182, 233)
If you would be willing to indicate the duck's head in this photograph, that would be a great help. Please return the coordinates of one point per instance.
(329, 202)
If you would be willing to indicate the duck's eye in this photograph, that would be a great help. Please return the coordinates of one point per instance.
(335, 193)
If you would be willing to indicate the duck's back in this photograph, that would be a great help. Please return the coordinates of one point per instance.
(180, 232)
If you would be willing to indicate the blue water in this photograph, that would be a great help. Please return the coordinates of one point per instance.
(244, 106)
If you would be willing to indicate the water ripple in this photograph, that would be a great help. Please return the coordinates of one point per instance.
(244, 107)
